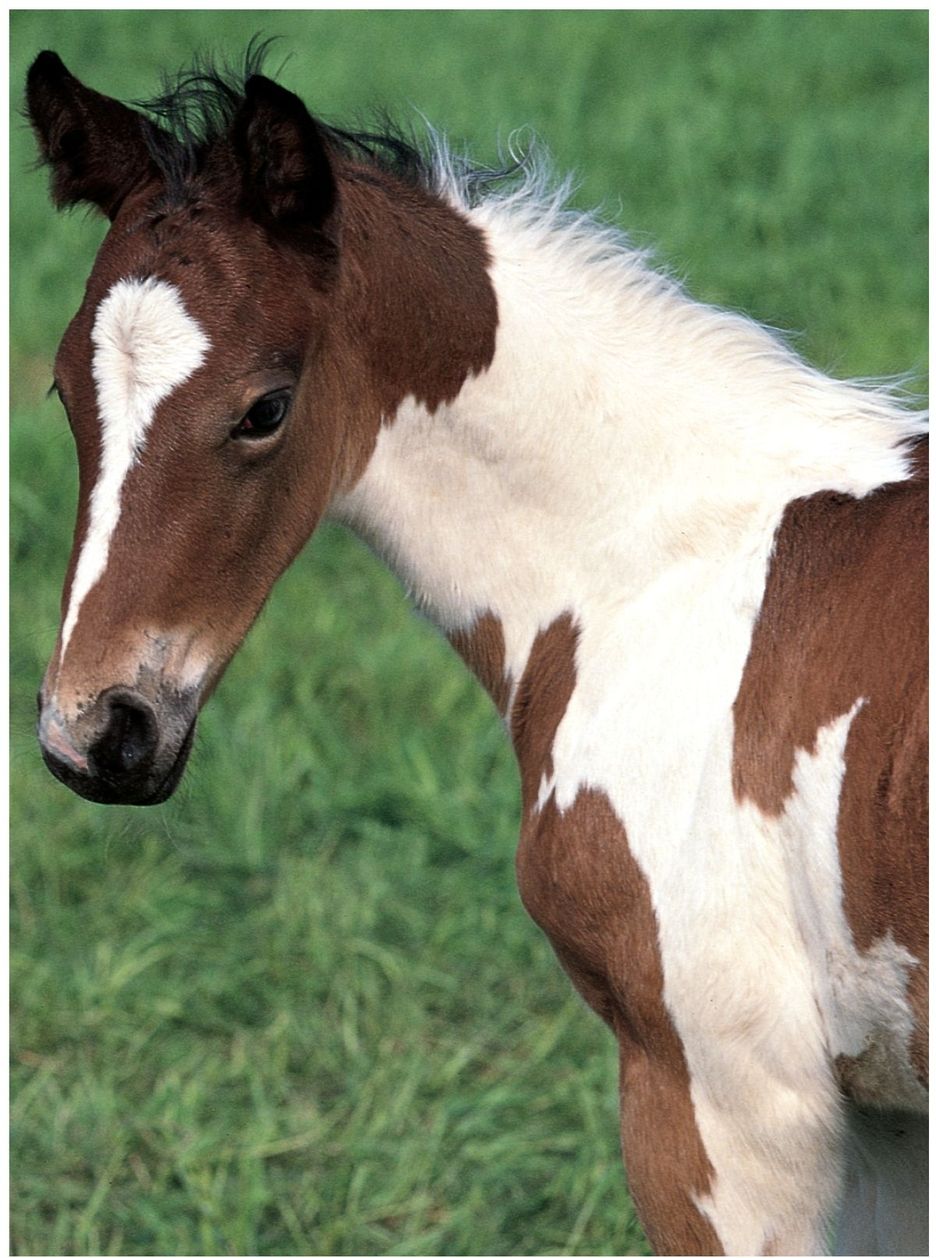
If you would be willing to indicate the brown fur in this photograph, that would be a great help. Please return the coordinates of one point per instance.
(94, 145)
(539, 705)
(844, 616)
(482, 649)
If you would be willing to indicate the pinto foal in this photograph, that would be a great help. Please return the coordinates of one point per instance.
(688, 568)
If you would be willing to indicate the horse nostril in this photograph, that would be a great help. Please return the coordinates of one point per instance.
(129, 738)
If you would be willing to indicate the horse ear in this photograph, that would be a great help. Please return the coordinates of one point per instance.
(287, 175)
(95, 146)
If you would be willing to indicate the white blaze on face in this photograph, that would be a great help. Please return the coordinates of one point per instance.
(145, 345)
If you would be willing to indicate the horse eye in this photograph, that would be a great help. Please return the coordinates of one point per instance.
(264, 417)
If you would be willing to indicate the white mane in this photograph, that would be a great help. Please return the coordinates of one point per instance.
(625, 290)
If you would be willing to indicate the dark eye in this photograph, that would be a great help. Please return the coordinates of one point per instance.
(264, 417)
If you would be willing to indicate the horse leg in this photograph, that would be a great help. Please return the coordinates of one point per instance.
(667, 1167)
(884, 1206)
(739, 1173)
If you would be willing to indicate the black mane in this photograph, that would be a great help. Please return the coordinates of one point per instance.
(196, 107)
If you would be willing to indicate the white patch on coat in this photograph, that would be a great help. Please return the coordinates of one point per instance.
(862, 995)
(627, 459)
(145, 345)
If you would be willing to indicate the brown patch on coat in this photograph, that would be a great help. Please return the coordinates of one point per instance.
(580, 883)
(543, 693)
(414, 313)
(844, 617)
(482, 649)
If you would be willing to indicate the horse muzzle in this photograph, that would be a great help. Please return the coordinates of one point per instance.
(124, 747)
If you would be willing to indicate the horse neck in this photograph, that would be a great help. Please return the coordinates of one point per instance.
(623, 440)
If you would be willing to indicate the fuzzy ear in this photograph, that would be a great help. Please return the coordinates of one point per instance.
(95, 146)
(287, 176)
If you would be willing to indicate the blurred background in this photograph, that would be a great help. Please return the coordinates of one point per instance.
(299, 1008)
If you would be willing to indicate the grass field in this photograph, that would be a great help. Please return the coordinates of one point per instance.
(299, 1008)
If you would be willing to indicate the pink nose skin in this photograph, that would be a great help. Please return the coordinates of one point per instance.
(57, 742)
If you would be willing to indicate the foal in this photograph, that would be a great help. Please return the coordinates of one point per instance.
(688, 568)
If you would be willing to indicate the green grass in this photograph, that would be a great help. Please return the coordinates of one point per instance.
(299, 1008)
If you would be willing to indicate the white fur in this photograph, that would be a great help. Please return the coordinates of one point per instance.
(145, 345)
(627, 459)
